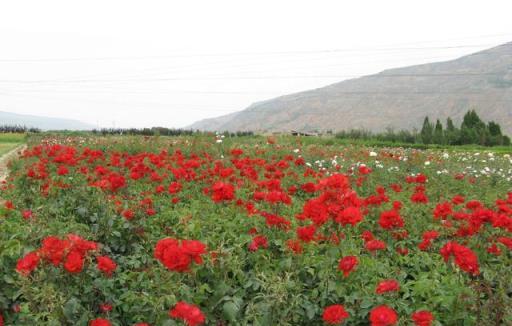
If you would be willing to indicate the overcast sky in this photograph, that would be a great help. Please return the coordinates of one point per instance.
(170, 63)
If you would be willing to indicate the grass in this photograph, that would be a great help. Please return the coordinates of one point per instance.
(12, 138)
(9, 141)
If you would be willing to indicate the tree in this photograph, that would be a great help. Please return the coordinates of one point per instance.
(427, 132)
(438, 137)
(473, 129)
(451, 133)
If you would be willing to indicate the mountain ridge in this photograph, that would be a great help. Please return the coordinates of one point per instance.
(42, 122)
(397, 98)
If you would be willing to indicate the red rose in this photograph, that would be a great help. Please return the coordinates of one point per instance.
(374, 245)
(106, 265)
(189, 313)
(306, 233)
(222, 192)
(334, 315)
(99, 322)
(347, 264)
(62, 170)
(387, 286)
(74, 262)
(105, 307)
(350, 215)
(53, 249)
(422, 318)
(28, 263)
(390, 219)
(194, 248)
(383, 316)
(465, 258)
(27, 214)
(128, 214)
(176, 260)
(178, 256)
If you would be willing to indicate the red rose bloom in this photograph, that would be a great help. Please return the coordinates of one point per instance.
(422, 318)
(106, 307)
(189, 313)
(374, 245)
(28, 263)
(387, 286)
(27, 214)
(383, 316)
(465, 258)
(62, 170)
(106, 265)
(347, 264)
(178, 256)
(53, 249)
(99, 322)
(350, 215)
(390, 220)
(222, 192)
(128, 214)
(334, 315)
(306, 233)
(74, 262)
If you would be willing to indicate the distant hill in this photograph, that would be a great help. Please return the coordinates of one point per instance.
(44, 123)
(396, 98)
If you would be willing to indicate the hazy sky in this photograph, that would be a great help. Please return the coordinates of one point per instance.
(170, 63)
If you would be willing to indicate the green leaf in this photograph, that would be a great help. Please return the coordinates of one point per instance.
(230, 310)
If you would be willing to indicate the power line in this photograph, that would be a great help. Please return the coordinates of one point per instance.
(199, 55)
(379, 75)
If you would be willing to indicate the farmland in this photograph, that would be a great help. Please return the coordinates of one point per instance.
(254, 230)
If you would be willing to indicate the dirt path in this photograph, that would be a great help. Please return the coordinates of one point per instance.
(4, 160)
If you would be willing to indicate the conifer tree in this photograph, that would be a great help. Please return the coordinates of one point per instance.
(427, 132)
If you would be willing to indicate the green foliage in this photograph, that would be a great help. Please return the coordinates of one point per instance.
(473, 131)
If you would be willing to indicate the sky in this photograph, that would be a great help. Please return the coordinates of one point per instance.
(170, 63)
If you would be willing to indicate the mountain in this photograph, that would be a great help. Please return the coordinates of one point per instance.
(44, 123)
(397, 98)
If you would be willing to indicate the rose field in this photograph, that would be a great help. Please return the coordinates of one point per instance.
(207, 230)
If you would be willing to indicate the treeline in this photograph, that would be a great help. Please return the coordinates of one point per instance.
(471, 131)
(17, 129)
(161, 131)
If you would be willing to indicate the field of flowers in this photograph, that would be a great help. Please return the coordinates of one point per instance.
(205, 230)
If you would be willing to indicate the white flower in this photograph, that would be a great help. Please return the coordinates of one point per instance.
(373, 154)
(296, 150)
(446, 155)
(427, 162)
(218, 141)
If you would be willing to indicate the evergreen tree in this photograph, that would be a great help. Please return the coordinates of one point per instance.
(451, 133)
(496, 138)
(427, 132)
(438, 137)
(473, 129)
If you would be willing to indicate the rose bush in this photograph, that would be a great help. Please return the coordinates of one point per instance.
(253, 231)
